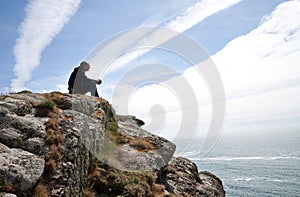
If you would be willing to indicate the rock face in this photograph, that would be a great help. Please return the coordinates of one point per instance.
(181, 177)
(58, 144)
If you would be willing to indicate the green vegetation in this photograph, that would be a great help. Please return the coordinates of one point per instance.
(45, 108)
(111, 127)
(114, 182)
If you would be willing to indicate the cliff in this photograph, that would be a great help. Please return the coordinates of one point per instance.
(58, 144)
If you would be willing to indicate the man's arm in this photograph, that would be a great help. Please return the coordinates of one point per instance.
(97, 81)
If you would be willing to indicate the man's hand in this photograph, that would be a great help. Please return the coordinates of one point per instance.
(99, 81)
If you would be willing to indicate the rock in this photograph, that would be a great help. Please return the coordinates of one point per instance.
(2, 194)
(145, 151)
(25, 132)
(83, 144)
(212, 183)
(20, 168)
(181, 177)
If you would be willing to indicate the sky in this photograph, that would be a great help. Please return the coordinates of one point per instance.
(251, 46)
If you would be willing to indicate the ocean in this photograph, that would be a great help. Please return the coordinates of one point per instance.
(259, 164)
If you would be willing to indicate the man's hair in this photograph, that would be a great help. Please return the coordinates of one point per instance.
(83, 63)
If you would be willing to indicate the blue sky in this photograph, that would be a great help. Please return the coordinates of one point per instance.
(253, 44)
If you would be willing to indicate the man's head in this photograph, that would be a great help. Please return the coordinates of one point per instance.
(85, 66)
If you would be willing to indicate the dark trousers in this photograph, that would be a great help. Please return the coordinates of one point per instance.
(85, 87)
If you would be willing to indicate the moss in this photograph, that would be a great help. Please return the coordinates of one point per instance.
(45, 108)
(5, 186)
(111, 112)
(134, 180)
(111, 127)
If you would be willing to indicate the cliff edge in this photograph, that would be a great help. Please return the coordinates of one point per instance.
(57, 144)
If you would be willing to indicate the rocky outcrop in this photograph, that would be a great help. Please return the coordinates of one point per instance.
(58, 144)
(181, 177)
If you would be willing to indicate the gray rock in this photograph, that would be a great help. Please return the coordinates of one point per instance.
(134, 158)
(181, 177)
(2, 194)
(20, 168)
(211, 183)
(82, 124)
(25, 132)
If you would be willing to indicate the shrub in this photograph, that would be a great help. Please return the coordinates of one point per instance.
(45, 108)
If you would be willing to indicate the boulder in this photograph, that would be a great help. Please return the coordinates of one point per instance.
(181, 177)
(19, 169)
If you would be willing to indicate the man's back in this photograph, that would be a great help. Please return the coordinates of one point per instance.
(72, 78)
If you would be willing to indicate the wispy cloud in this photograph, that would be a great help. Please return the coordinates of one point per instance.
(260, 71)
(197, 13)
(266, 58)
(180, 23)
(44, 19)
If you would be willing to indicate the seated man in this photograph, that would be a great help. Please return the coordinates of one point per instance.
(79, 83)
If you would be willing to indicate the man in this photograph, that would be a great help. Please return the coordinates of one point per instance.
(80, 83)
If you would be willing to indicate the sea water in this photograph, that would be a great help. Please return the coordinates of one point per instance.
(260, 164)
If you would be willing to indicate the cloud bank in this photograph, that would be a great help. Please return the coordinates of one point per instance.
(44, 19)
(260, 72)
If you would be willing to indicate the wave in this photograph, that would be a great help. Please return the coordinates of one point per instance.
(244, 158)
(247, 179)
(190, 153)
(244, 179)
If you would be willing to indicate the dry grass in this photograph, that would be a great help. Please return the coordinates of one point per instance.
(88, 193)
(60, 147)
(54, 139)
(41, 191)
(52, 123)
(96, 173)
(51, 165)
(141, 144)
(7, 187)
(53, 154)
(115, 182)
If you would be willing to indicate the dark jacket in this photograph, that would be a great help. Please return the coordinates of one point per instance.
(77, 78)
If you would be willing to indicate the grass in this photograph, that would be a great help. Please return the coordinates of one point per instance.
(111, 127)
(54, 139)
(114, 182)
(141, 144)
(41, 191)
(51, 165)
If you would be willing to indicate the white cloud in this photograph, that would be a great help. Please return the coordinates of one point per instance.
(260, 72)
(265, 58)
(44, 19)
(53, 83)
(198, 12)
(137, 39)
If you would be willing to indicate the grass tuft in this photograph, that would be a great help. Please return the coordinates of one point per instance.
(45, 108)
(41, 191)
